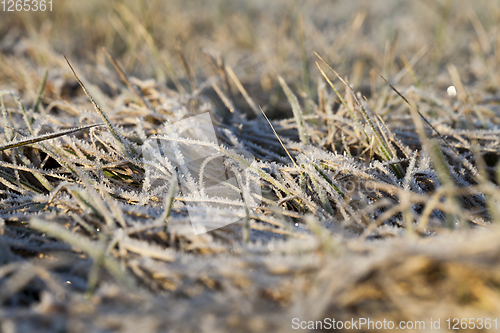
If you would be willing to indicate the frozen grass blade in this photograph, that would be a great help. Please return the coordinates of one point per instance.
(45, 137)
(346, 147)
(297, 111)
(233, 155)
(344, 103)
(287, 152)
(444, 175)
(322, 195)
(91, 248)
(382, 144)
(244, 194)
(45, 183)
(169, 201)
(115, 134)
(11, 182)
(25, 114)
(439, 162)
(279, 139)
(9, 134)
(328, 180)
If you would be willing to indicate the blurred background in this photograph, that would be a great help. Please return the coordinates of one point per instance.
(259, 39)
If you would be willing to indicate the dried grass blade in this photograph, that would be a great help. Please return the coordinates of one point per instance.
(242, 90)
(297, 111)
(125, 79)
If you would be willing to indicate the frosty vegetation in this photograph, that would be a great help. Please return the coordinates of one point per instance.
(87, 217)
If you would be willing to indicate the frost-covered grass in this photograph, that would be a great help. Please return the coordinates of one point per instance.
(379, 196)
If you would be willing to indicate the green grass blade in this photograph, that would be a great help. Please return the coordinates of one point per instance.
(40, 91)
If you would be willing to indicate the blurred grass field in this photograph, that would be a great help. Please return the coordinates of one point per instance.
(384, 206)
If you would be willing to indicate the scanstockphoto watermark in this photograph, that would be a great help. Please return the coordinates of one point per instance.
(216, 184)
(364, 324)
(356, 324)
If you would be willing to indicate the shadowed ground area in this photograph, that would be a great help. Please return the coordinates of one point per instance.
(371, 127)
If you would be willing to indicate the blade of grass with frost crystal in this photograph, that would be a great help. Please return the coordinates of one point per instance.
(351, 112)
(94, 196)
(346, 147)
(118, 138)
(112, 204)
(9, 134)
(25, 114)
(297, 111)
(11, 182)
(328, 180)
(384, 149)
(81, 198)
(232, 155)
(169, 201)
(44, 137)
(92, 248)
(45, 183)
(244, 194)
(279, 139)
(382, 144)
(438, 161)
(322, 195)
(264, 175)
(284, 147)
